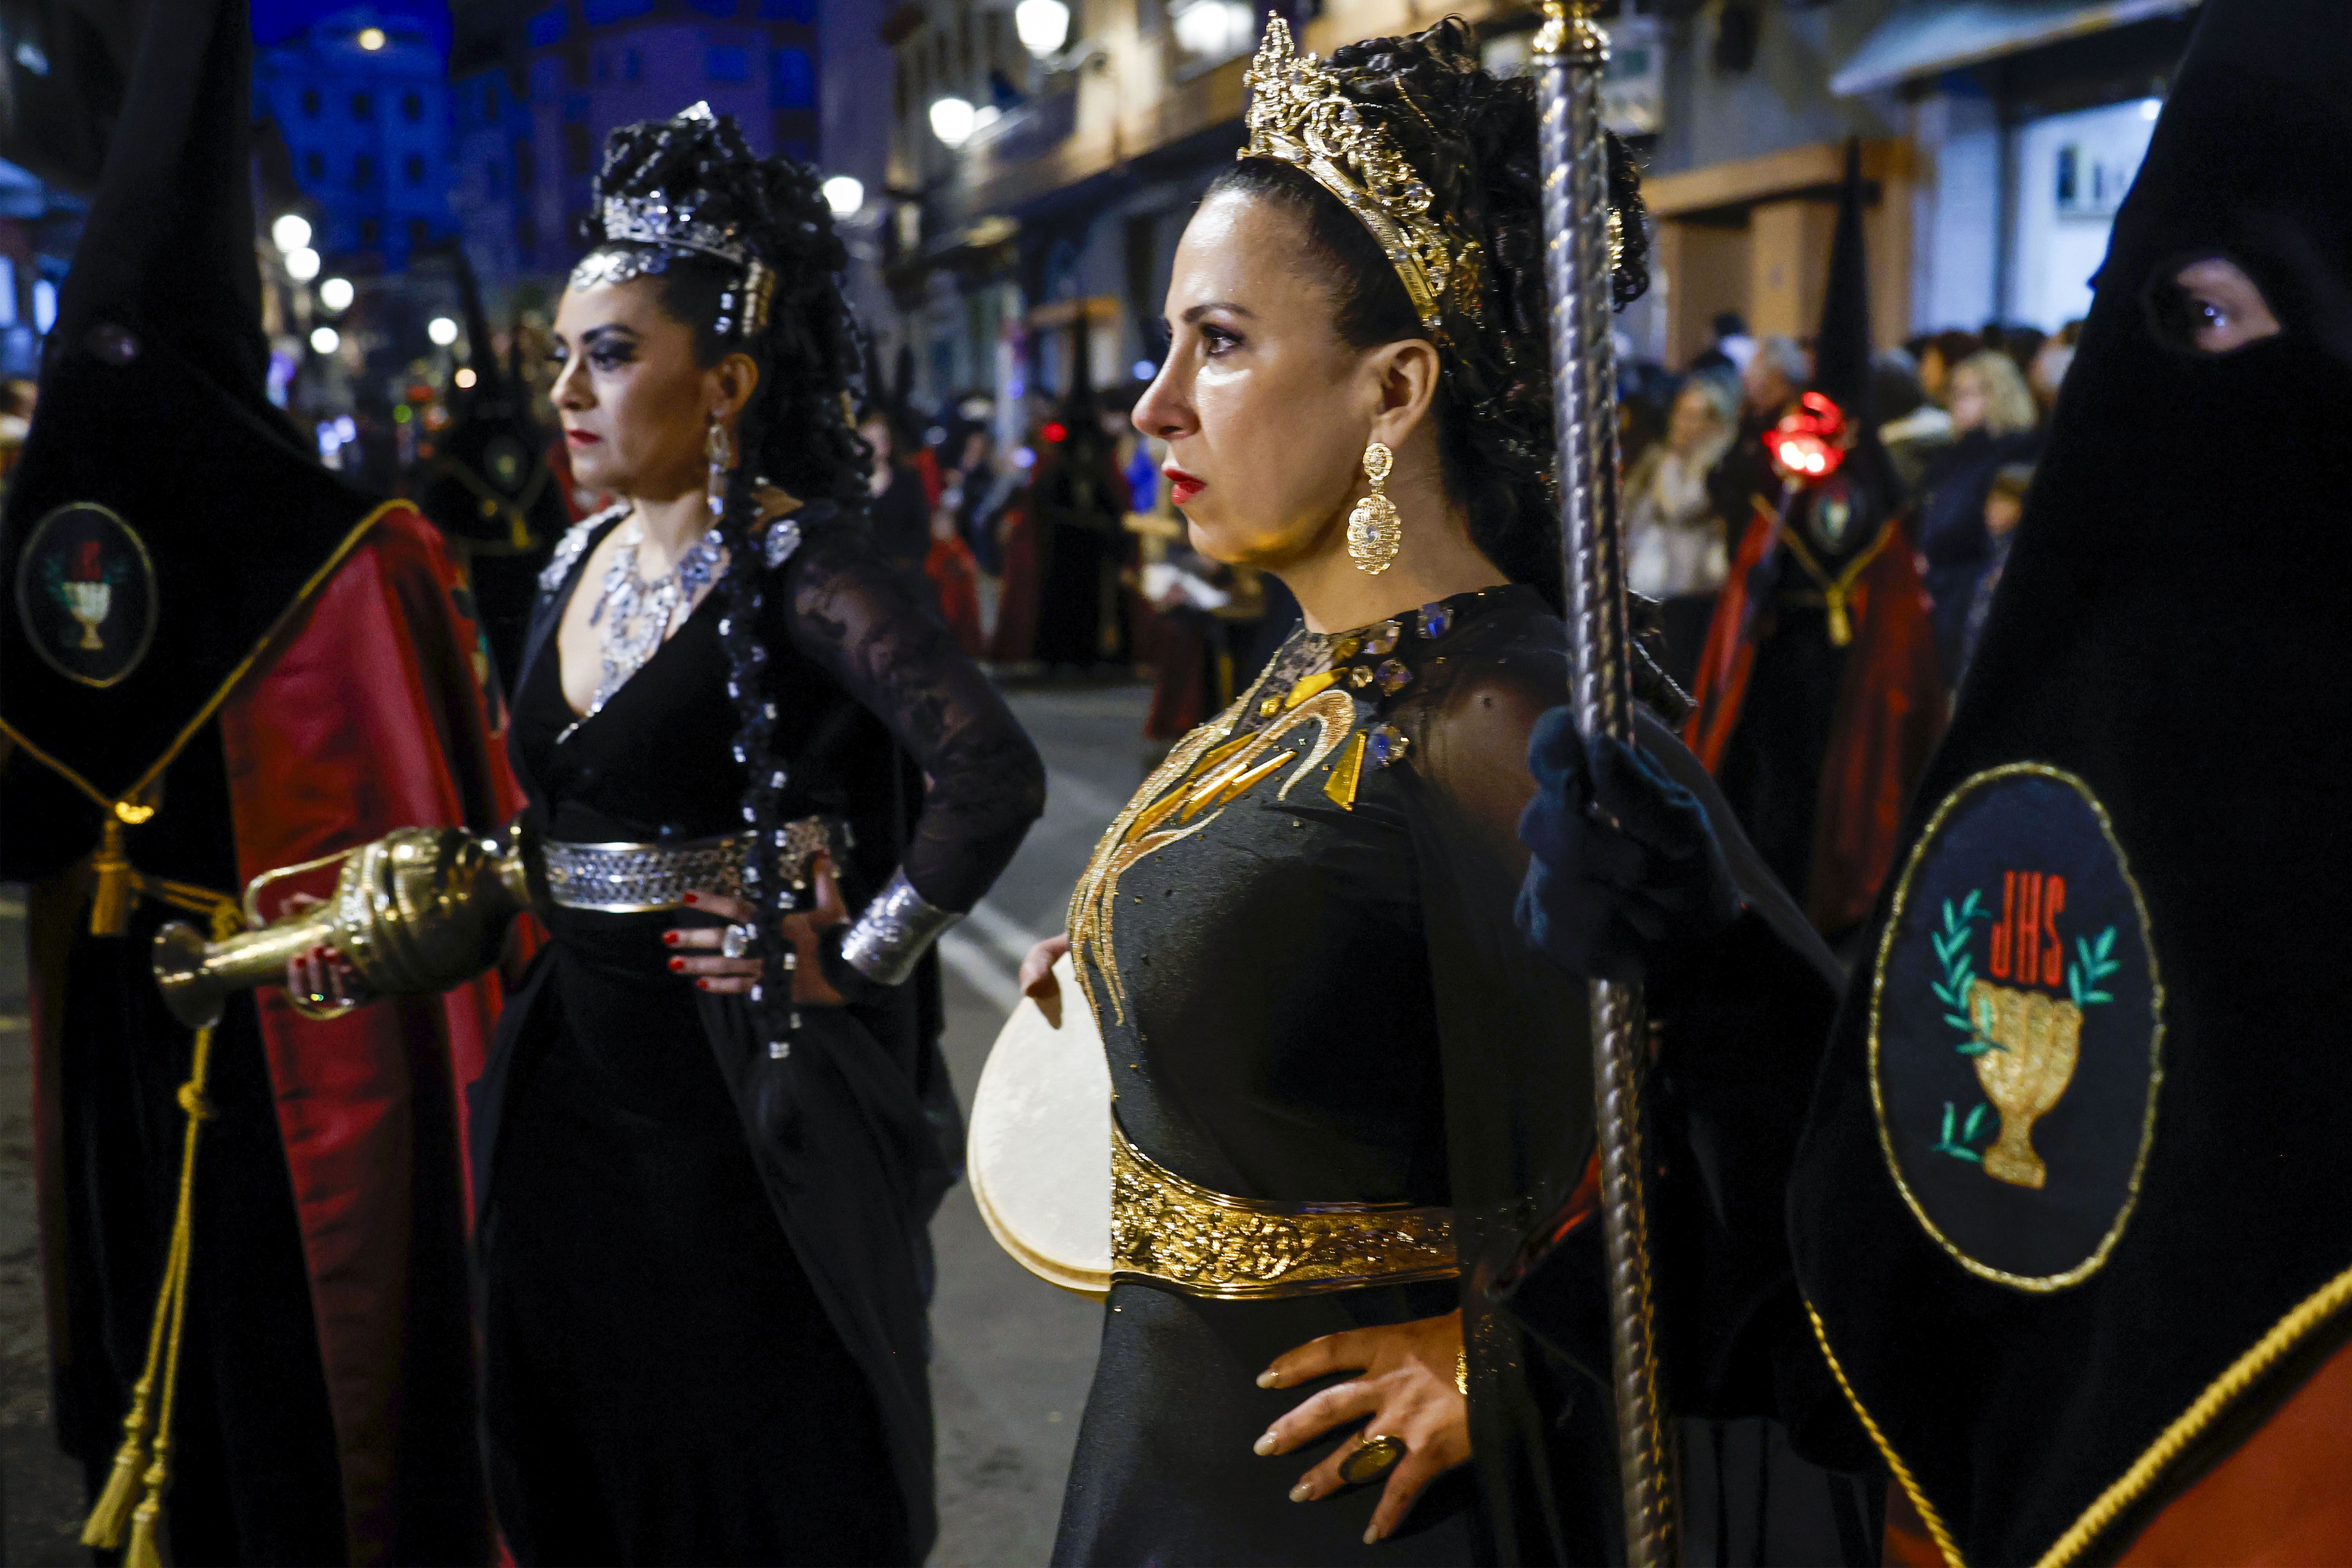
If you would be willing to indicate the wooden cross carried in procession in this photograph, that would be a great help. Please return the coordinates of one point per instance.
(1570, 53)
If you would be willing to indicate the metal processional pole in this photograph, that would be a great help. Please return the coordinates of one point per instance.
(1570, 53)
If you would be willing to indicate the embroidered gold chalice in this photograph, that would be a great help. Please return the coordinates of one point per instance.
(2039, 1039)
(90, 604)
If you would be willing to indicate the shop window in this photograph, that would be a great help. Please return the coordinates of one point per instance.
(726, 62)
(362, 106)
(412, 168)
(362, 170)
(793, 82)
(412, 107)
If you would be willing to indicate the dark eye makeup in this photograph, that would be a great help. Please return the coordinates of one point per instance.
(2207, 306)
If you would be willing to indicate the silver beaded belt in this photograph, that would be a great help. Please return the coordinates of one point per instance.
(636, 879)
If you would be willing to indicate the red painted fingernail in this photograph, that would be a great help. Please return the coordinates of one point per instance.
(670, 937)
(678, 964)
(693, 899)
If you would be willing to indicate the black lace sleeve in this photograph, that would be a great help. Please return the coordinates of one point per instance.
(856, 617)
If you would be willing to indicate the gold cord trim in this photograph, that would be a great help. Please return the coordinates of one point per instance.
(144, 1458)
(1903, 1475)
(1838, 590)
(2219, 1394)
(1203, 1243)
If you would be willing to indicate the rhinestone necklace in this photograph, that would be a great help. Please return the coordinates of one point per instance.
(633, 616)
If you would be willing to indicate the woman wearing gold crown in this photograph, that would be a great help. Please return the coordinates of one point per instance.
(1344, 1087)
(706, 1150)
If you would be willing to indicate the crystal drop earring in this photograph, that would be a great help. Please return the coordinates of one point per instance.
(1375, 533)
(719, 447)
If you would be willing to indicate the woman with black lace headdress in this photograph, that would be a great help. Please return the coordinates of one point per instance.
(707, 1148)
(1345, 1087)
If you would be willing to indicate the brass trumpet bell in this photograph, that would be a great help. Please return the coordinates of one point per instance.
(415, 912)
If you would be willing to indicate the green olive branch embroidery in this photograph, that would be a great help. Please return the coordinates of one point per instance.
(1959, 971)
(2094, 961)
(1958, 1148)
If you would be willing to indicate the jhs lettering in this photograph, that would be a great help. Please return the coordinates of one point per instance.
(2025, 943)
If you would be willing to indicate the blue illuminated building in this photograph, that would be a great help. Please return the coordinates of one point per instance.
(361, 99)
(537, 85)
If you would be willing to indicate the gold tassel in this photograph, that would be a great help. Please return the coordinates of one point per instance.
(147, 1525)
(111, 1513)
(1841, 624)
(109, 908)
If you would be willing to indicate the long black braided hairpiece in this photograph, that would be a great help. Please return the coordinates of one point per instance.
(1471, 137)
(795, 433)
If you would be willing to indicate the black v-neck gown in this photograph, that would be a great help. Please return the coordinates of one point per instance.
(702, 1346)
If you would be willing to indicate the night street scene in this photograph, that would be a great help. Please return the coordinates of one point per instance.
(1175, 784)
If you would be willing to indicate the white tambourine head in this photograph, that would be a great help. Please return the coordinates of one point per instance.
(1038, 1149)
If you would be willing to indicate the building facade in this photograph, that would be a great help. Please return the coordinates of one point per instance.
(538, 87)
(1997, 139)
(361, 102)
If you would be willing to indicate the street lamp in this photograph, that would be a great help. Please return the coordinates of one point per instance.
(953, 120)
(302, 264)
(442, 331)
(325, 340)
(291, 233)
(371, 39)
(336, 293)
(845, 193)
(1044, 26)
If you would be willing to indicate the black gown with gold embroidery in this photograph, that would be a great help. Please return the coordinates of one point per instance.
(1298, 943)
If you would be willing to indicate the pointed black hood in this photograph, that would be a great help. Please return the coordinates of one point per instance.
(1841, 352)
(2074, 1154)
(164, 516)
(488, 483)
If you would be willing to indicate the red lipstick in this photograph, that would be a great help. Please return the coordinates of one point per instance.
(1181, 486)
(580, 438)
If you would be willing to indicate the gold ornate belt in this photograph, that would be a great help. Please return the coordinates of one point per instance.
(1169, 1230)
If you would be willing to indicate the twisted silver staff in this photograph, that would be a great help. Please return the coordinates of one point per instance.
(1570, 52)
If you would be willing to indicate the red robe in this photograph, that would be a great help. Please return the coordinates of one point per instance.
(370, 714)
(1890, 713)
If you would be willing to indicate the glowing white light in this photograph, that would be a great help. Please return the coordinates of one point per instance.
(371, 39)
(1044, 26)
(845, 193)
(1024, 458)
(302, 264)
(325, 340)
(347, 429)
(2150, 108)
(1144, 369)
(986, 115)
(465, 377)
(442, 331)
(291, 232)
(951, 120)
(336, 293)
(1215, 29)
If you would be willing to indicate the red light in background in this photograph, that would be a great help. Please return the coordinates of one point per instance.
(1055, 432)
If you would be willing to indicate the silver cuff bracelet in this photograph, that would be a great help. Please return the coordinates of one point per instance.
(897, 929)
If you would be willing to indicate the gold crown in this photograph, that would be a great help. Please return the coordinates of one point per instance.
(1299, 114)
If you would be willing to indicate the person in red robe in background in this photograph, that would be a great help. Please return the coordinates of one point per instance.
(217, 658)
(1819, 695)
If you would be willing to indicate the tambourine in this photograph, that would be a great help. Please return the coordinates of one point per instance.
(1038, 1147)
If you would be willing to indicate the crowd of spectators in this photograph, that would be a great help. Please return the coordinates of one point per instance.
(1961, 416)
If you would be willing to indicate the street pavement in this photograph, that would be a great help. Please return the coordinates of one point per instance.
(1012, 1355)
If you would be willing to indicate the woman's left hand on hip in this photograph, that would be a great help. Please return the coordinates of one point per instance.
(1407, 1392)
(701, 951)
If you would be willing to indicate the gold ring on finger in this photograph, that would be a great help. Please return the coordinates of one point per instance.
(1374, 1456)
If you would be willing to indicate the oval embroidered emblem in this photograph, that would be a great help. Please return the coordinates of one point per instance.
(86, 594)
(2016, 1031)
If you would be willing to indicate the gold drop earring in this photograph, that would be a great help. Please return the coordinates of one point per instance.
(1374, 532)
(718, 445)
